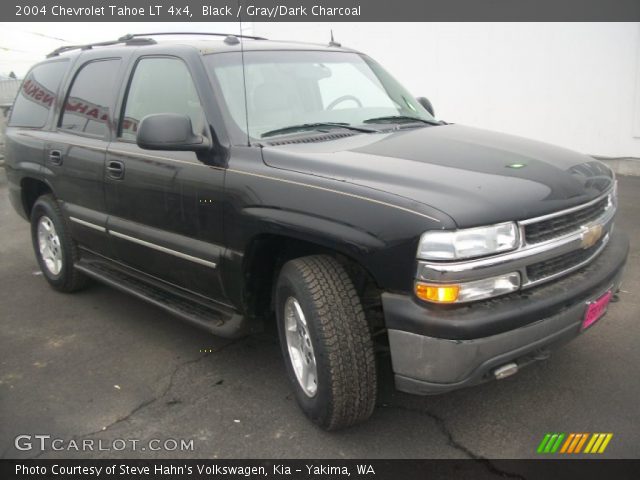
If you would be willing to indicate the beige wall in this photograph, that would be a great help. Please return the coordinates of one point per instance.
(571, 84)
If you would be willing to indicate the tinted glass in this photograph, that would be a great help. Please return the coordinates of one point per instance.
(87, 108)
(268, 90)
(37, 95)
(160, 85)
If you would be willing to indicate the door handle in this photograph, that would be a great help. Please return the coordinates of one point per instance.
(55, 157)
(115, 169)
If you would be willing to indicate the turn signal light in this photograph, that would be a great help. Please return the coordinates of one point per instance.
(437, 293)
(468, 291)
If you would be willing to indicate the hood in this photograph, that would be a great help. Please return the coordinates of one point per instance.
(475, 176)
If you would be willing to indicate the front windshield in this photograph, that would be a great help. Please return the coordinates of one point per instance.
(295, 88)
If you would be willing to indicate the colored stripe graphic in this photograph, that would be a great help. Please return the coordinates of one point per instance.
(555, 447)
(568, 442)
(543, 443)
(598, 442)
(551, 442)
(573, 443)
(605, 443)
(581, 442)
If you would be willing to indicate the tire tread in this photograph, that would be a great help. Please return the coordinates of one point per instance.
(345, 334)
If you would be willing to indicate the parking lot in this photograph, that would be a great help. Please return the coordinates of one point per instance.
(102, 365)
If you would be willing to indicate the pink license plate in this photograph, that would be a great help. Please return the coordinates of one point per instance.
(596, 309)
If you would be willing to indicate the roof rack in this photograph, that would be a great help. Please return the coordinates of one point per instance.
(237, 35)
(89, 46)
(140, 39)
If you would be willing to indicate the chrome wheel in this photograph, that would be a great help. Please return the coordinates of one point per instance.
(49, 245)
(300, 348)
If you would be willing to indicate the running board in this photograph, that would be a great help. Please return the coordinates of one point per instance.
(222, 323)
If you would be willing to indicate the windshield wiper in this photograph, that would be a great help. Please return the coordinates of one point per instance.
(400, 118)
(319, 125)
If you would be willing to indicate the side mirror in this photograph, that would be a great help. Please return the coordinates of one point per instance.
(424, 101)
(169, 131)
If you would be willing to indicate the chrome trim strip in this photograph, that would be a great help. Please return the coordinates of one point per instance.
(157, 279)
(542, 218)
(602, 219)
(603, 244)
(160, 248)
(88, 224)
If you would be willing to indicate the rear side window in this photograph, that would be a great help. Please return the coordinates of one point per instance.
(160, 85)
(90, 99)
(37, 95)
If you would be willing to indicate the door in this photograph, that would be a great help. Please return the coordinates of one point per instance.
(76, 151)
(165, 208)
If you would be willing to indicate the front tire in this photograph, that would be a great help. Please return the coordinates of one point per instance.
(326, 342)
(55, 250)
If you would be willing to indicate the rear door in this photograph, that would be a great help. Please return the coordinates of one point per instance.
(76, 152)
(165, 208)
(30, 124)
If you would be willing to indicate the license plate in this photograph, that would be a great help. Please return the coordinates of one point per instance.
(596, 309)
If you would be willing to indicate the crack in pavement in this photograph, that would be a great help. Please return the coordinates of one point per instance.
(444, 429)
(152, 400)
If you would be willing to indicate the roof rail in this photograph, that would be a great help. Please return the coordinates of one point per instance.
(89, 46)
(215, 34)
(140, 39)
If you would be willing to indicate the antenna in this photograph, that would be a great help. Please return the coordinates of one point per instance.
(333, 43)
(244, 82)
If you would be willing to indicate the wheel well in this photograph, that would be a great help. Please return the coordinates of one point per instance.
(268, 253)
(31, 190)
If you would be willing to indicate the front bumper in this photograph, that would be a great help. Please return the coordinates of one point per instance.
(435, 349)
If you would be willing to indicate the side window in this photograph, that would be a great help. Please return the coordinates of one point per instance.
(92, 93)
(160, 85)
(37, 95)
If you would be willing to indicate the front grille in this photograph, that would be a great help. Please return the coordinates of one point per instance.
(548, 268)
(563, 224)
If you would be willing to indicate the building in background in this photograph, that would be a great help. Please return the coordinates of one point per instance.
(8, 90)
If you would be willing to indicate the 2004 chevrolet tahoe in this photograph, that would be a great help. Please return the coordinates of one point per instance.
(232, 180)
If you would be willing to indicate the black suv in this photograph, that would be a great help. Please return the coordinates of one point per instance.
(230, 180)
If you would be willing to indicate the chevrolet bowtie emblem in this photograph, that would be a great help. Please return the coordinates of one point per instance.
(590, 235)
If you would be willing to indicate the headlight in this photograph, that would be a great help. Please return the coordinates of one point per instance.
(468, 243)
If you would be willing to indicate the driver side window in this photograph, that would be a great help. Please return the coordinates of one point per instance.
(160, 85)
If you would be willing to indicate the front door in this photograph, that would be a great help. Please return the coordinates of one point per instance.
(165, 208)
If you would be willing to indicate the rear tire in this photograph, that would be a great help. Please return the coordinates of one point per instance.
(55, 250)
(321, 324)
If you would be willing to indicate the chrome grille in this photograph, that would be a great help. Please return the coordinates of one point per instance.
(561, 225)
(554, 266)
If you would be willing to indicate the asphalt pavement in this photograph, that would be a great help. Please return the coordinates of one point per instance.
(102, 366)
